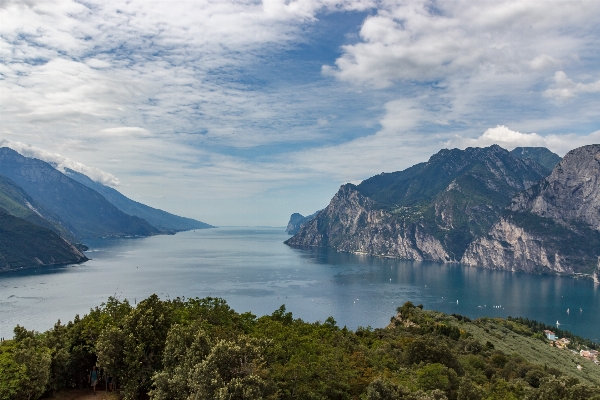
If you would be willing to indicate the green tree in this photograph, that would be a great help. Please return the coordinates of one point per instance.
(381, 389)
(437, 376)
(429, 351)
(233, 370)
(185, 348)
(25, 366)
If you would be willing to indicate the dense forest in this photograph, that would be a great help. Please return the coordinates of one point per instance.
(202, 349)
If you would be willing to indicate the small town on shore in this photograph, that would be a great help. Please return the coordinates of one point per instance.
(563, 343)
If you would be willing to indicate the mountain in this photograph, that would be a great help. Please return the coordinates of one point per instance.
(431, 211)
(160, 219)
(81, 210)
(541, 155)
(554, 226)
(25, 245)
(16, 202)
(297, 221)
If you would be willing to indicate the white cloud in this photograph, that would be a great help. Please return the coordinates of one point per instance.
(509, 139)
(423, 40)
(543, 61)
(565, 88)
(61, 162)
(191, 103)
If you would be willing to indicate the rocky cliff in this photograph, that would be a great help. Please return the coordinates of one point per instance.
(351, 224)
(431, 211)
(297, 221)
(552, 227)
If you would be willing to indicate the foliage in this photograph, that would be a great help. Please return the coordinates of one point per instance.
(200, 348)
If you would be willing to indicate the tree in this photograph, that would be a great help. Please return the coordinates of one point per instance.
(24, 366)
(437, 376)
(430, 351)
(233, 370)
(185, 348)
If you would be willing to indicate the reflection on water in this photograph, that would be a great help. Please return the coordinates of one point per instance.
(254, 271)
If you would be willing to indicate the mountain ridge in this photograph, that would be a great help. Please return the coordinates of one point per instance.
(84, 212)
(25, 245)
(430, 211)
(471, 206)
(163, 220)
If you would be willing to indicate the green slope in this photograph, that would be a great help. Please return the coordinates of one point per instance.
(541, 155)
(25, 245)
(85, 212)
(15, 201)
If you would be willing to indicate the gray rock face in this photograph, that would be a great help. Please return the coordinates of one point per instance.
(431, 211)
(510, 247)
(351, 224)
(297, 221)
(571, 192)
(553, 227)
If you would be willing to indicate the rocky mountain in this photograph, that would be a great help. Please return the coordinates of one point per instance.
(82, 211)
(541, 155)
(25, 245)
(297, 221)
(16, 202)
(164, 221)
(431, 211)
(554, 226)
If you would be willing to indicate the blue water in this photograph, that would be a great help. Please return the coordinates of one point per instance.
(254, 271)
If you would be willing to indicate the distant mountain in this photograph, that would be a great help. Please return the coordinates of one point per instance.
(16, 202)
(541, 155)
(297, 221)
(431, 211)
(25, 245)
(160, 219)
(82, 211)
(554, 226)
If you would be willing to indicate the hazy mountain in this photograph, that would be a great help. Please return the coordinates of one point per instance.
(16, 202)
(158, 218)
(541, 155)
(554, 226)
(431, 211)
(25, 245)
(297, 221)
(81, 210)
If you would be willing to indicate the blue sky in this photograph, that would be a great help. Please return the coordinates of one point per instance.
(242, 112)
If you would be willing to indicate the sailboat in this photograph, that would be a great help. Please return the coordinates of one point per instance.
(557, 323)
(567, 311)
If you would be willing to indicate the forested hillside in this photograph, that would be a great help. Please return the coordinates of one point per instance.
(202, 349)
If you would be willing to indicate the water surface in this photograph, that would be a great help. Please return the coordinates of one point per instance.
(254, 271)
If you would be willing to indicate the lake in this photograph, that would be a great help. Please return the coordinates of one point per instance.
(254, 271)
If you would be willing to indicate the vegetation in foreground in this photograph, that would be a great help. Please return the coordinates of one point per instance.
(202, 349)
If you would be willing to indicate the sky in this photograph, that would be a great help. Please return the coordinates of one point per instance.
(243, 112)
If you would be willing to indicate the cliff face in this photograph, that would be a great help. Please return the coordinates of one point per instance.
(481, 207)
(552, 227)
(351, 224)
(571, 192)
(297, 221)
(510, 247)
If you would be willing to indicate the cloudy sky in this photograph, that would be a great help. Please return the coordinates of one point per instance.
(240, 112)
